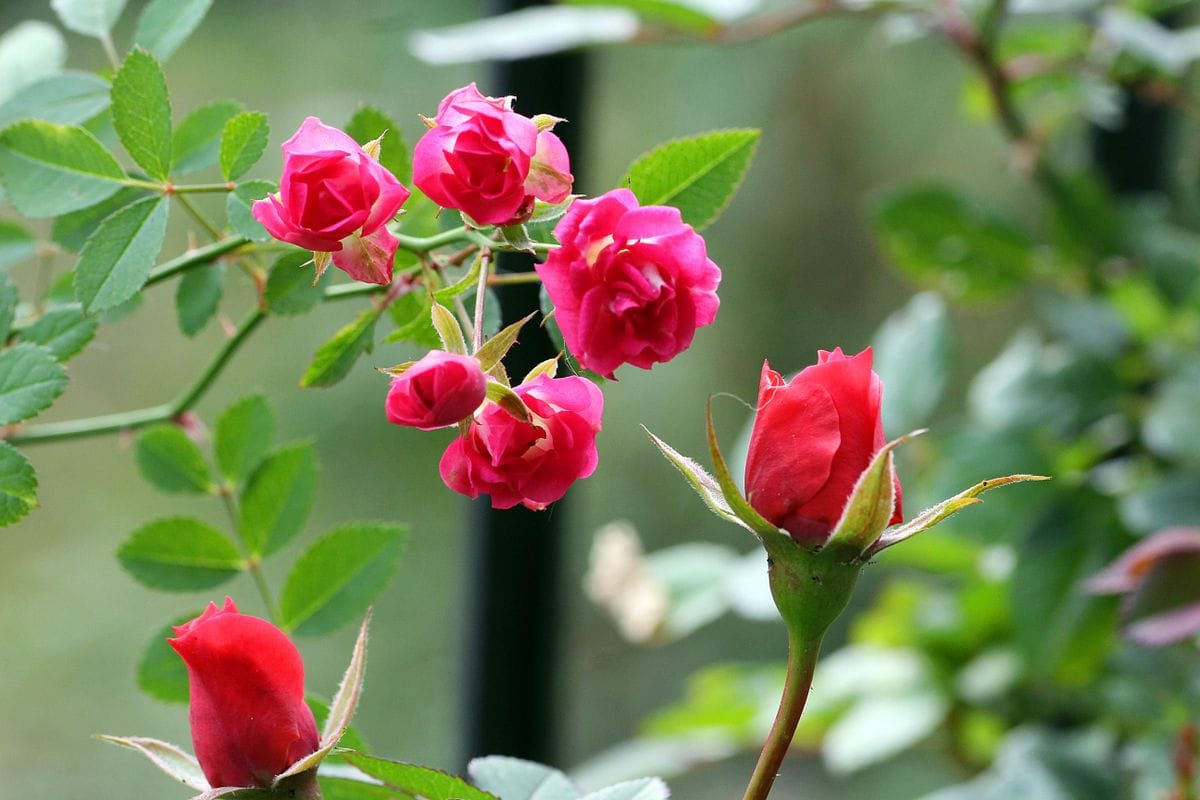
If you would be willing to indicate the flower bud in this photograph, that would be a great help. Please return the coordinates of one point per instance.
(246, 681)
(437, 391)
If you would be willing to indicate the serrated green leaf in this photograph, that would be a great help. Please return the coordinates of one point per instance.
(197, 140)
(237, 209)
(243, 141)
(16, 243)
(62, 331)
(30, 51)
(428, 783)
(180, 554)
(18, 485)
(141, 111)
(89, 17)
(339, 577)
(410, 313)
(30, 380)
(938, 237)
(517, 779)
(290, 288)
(8, 306)
(347, 789)
(171, 461)
(72, 230)
(71, 98)
(335, 358)
(698, 175)
(118, 256)
(368, 124)
(277, 499)
(165, 24)
(243, 435)
(161, 673)
(50, 169)
(198, 295)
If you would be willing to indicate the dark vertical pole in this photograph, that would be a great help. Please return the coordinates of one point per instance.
(1133, 157)
(516, 554)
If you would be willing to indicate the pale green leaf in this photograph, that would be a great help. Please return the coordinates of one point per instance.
(89, 17)
(16, 243)
(29, 52)
(71, 98)
(30, 380)
(243, 140)
(141, 113)
(118, 256)
(72, 230)
(171, 461)
(243, 435)
(334, 359)
(683, 16)
(165, 24)
(50, 169)
(198, 296)
(368, 124)
(698, 175)
(290, 288)
(640, 789)
(197, 139)
(62, 331)
(18, 485)
(278, 497)
(161, 673)
(8, 306)
(517, 779)
(180, 554)
(237, 209)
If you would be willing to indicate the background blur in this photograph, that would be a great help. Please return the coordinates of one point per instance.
(844, 114)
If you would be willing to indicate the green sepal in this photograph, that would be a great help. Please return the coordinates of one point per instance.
(448, 329)
(495, 349)
(738, 504)
(869, 508)
(509, 400)
(549, 367)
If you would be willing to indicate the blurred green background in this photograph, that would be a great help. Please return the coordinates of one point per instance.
(844, 113)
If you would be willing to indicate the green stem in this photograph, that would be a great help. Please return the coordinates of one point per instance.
(253, 565)
(194, 258)
(196, 188)
(802, 661)
(191, 209)
(218, 362)
(485, 268)
(511, 278)
(423, 244)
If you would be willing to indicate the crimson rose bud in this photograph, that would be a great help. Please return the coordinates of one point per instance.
(630, 283)
(811, 441)
(248, 715)
(438, 391)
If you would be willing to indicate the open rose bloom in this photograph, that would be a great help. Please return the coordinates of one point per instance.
(630, 284)
(335, 198)
(488, 161)
(812, 439)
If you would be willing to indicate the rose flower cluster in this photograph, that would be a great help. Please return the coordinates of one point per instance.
(630, 284)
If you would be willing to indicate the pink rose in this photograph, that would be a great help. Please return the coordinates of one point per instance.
(629, 284)
(531, 463)
(812, 439)
(335, 198)
(488, 161)
(438, 391)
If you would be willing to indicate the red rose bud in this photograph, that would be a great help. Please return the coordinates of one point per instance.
(528, 463)
(488, 161)
(248, 715)
(812, 440)
(438, 391)
(630, 284)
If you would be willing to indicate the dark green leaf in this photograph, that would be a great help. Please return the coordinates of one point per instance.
(410, 313)
(242, 143)
(89, 17)
(180, 554)
(198, 137)
(237, 209)
(141, 113)
(698, 175)
(16, 243)
(8, 306)
(171, 461)
(165, 24)
(50, 169)
(198, 295)
(938, 237)
(430, 784)
(118, 256)
(30, 380)
(339, 577)
(62, 331)
(72, 230)
(71, 98)
(243, 435)
(277, 499)
(335, 358)
(347, 789)
(161, 672)
(368, 124)
(18, 485)
(290, 288)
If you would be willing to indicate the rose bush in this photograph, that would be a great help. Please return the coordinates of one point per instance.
(529, 463)
(488, 161)
(630, 284)
(812, 439)
(437, 391)
(335, 198)
(246, 684)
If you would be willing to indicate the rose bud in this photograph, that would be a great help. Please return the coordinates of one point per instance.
(335, 198)
(630, 284)
(438, 391)
(488, 161)
(812, 439)
(530, 463)
(246, 680)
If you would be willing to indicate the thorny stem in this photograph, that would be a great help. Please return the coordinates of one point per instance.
(802, 661)
(485, 268)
